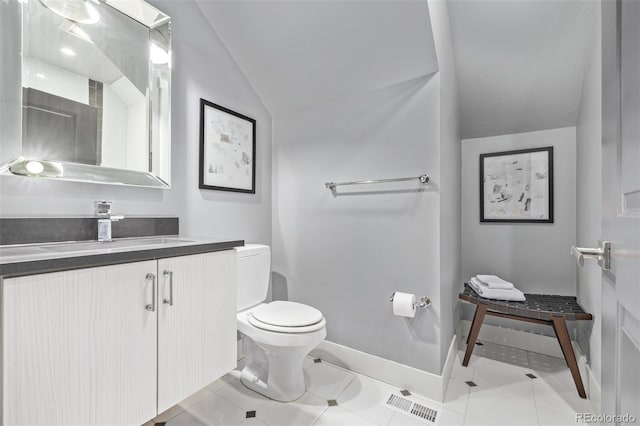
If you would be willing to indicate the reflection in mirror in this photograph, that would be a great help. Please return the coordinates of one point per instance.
(95, 92)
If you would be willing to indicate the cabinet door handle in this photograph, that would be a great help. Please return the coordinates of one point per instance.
(152, 306)
(169, 301)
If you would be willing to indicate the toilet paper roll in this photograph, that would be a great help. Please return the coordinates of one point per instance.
(404, 304)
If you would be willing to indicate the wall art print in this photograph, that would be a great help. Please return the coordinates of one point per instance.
(227, 149)
(517, 186)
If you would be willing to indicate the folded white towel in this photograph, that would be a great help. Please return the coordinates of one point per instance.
(493, 281)
(497, 293)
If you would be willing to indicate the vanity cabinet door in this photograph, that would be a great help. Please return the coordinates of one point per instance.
(197, 327)
(79, 347)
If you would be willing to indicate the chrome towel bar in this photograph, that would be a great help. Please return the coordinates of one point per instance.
(424, 179)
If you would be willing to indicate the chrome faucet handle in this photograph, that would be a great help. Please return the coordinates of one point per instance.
(102, 208)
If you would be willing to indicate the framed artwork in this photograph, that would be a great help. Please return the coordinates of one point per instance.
(227, 149)
(517, 186)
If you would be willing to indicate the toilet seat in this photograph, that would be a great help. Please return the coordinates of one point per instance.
(287, 317)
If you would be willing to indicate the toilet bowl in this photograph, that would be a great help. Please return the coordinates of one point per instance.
(276, 336)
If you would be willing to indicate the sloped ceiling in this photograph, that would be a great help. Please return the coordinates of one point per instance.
(300, 54)
(519, 63)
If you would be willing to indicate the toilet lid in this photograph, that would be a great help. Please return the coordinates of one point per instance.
(287, 314)
(291, 330)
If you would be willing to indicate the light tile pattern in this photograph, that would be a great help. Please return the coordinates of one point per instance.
(504, 395)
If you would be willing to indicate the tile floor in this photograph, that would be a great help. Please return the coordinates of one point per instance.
(501, 386)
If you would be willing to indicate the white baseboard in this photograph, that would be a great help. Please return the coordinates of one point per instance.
(421, 382)
(447, 368)
(583, 367)
(595, 392)
(591, 383)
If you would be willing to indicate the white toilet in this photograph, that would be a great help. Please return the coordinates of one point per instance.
(276, 336)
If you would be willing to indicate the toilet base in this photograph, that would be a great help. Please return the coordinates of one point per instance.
(276, 372)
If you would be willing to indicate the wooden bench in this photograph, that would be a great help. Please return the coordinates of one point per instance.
(538, 309)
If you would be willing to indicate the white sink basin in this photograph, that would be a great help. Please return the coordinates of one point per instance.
(115, 244)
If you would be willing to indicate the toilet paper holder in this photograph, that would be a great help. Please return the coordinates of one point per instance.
(423, 302)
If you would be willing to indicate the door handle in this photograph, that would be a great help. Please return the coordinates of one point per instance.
(602, 254)
(169, 301)
(152, 306)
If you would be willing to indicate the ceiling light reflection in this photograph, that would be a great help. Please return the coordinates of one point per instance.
(158, 55)
(67, 51)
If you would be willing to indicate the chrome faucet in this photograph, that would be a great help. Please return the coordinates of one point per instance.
(105, 219)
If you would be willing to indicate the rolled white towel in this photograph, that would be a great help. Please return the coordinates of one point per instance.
(493, 281)
(512, 294)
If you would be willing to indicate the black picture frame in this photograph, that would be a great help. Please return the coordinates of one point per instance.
(225, 164)
(529, 199)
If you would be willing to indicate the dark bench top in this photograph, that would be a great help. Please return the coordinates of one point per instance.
(538, 306)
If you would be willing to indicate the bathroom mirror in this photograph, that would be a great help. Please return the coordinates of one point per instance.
(93, 91)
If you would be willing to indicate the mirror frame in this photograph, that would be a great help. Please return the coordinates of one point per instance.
(13, 163)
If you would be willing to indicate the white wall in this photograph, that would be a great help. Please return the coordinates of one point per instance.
(450, 176)
(347, 254)
(535, 257)
(589, 198)
(55, 80)
(114, 136)
(137, 136)
(520, 63)
(202, 67)
(131, 137)
(10, 79)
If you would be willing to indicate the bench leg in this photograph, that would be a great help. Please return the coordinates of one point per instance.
(478, 318)
(560, 328)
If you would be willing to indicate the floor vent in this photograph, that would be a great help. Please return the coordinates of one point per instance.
(406, 406)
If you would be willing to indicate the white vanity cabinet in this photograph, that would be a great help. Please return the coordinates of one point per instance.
(92, 346)
(79, 347)
(197, 329)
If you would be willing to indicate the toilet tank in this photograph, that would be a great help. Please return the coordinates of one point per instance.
(253, 270)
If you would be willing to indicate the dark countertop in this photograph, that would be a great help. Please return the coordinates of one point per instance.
(28, 260)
